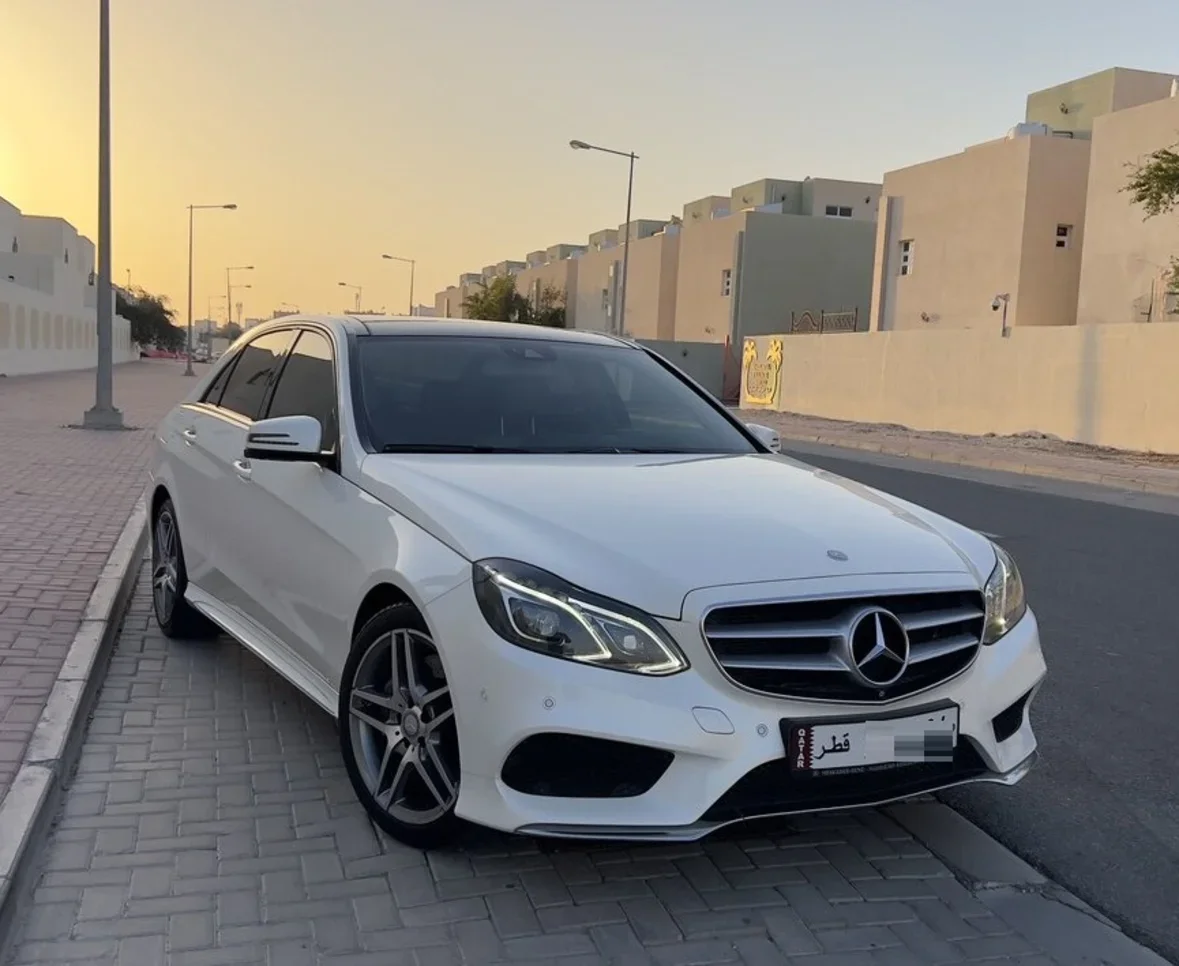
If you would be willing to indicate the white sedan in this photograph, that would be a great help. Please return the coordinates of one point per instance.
(547, 584)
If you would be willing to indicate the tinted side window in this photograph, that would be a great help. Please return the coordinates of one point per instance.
(217, 386)
(307, 386)
(252, 375)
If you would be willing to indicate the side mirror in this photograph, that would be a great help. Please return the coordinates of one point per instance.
(286, 439)
(769, 438)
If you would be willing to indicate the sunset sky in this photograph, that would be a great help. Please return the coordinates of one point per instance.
(439, 130)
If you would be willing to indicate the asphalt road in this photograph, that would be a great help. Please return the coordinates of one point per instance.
(1100, 815)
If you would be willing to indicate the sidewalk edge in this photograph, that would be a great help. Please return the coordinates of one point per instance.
(982, 461)
(29, 807)
(1045, 913)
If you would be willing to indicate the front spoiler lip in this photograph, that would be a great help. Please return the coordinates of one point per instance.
(698, 830)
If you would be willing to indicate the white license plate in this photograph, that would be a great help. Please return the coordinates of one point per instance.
(850, 746)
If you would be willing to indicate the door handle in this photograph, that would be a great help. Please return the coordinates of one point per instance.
(189, 435)
(243, 469)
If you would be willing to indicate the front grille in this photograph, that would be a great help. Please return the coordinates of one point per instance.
(577, 766)
(797, 648)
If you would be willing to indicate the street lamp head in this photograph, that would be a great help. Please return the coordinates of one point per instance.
(580, 146)
(230, 207)
(248, 268)
(390, 257)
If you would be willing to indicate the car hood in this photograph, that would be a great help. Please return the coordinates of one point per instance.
(650, 529)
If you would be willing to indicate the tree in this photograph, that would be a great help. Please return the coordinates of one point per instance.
(151, 319)
(499, 301)
(1155, 186)
(549, 309)
(231, 331)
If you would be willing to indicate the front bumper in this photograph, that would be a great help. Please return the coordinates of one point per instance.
(727, 756)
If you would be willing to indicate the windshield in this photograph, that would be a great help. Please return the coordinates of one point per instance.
(485, 394)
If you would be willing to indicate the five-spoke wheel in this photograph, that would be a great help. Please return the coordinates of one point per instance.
(169, 578)
(397, 728)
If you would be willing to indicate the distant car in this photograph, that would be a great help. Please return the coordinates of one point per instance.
(548, 584)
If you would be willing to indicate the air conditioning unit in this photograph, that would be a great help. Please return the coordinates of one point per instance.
(1028, 129)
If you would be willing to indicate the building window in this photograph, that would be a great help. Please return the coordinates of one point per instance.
(1064, 236)
(908, 248)
(726, 282)
(605, 300)
(838, 211)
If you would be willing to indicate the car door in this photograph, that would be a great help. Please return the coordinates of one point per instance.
(221, 440)
(306, 577)
(192, 472)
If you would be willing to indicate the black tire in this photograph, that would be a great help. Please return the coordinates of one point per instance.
(177, 618)
(431, 762)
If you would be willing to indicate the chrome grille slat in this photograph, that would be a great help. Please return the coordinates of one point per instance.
(795, 648)
(784, 662)
(940, 648)
(771, 632)
(939, 618)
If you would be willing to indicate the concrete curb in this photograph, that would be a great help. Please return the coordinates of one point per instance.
(984, 461)
(1065, 927)
(28, 809)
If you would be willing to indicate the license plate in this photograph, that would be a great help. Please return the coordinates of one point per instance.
(846, 747)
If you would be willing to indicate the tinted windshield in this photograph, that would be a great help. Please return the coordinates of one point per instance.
(457, 394)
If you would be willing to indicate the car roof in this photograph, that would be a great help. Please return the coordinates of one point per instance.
(402, 325)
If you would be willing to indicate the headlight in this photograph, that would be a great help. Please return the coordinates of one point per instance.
(1004, 596)
(534, 609)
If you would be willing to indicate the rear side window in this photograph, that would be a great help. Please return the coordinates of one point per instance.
(307, 386)
(255, 369)
(217, 386)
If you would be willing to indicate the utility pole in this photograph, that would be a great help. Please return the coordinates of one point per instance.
(104, 415)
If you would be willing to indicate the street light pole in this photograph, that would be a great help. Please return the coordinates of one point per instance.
(412, 265)
(229, 285)
(188, 370)
(630, 187)
(104, 415)
(358, 291)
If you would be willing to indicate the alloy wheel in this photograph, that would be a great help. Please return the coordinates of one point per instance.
(165, 565)
(401, 720)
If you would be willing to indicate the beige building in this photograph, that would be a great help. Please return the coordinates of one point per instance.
(773, 254)
(760, 271)
(999, 224)
(650, 293)
(1126, 259)
(1075, 105)
(1020, 226)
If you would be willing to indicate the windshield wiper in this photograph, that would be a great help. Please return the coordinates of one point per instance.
(445, 448)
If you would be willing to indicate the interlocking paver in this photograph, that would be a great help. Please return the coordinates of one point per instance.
(65, 496)
(211, 821)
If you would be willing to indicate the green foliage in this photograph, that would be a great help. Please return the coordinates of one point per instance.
(1155, 183)
(499, 301)
(151, 319)
(1155, 186)
(231, 331)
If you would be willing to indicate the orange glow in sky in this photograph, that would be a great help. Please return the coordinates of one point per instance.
(438, 130)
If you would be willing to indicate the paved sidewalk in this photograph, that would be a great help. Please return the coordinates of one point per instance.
(211, 822)
(1031, 455)
(65, 495)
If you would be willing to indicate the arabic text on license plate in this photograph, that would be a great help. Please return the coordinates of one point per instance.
(864, 745)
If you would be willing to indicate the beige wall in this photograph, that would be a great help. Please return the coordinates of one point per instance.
(705, 209)
(593, 275)
(863, 198)
(1125, 256)
(1088, 98)
(707, 249)
(1057, 180)
(767, 191)
(651, 291)
(982, 223)
(1104, 385)
(794, 264)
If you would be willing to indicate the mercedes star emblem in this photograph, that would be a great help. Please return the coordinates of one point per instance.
(878, 648)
